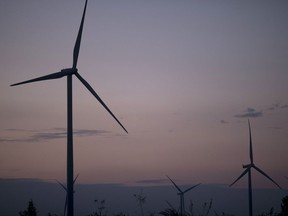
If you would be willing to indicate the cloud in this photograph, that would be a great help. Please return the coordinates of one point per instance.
(85, 132)
(19, 130)
(277, 106)
(8, 140)
(273, 107)
(249, 113)
(277, 127)
(59, 133)
(224, 122)
(51, 134)
(152, 181)
(15, 180)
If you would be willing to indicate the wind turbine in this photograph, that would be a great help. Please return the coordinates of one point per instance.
(181, 194)
(65, 188)
(69, 72)
(248, 168)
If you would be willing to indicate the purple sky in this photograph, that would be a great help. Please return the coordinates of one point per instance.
(182, 76)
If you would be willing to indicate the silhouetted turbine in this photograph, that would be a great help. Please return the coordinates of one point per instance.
(181, 194)
(248, 168)
(65, 188)
(69, 72)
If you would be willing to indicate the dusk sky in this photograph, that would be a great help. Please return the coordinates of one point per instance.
(183, 77)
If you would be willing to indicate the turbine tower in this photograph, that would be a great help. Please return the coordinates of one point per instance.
(69, 72)
(181, 194)
(248, 169)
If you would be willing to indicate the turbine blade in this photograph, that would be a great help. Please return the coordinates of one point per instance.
(245, 171)
(63, 186)
(76, 178)
(191, 188)
(250, 141)
(183, 204)
(263, 173)
(56, 75)
(87, 85)
(78, 40)
(174, 184)
(65, 206)
(170, 205)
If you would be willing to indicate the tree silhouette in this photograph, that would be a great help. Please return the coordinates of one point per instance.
(100, 210)
(169, 212)
(284, 207)
(31, 210)
(269, 213)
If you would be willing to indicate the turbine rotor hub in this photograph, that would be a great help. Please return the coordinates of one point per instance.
(246, 166)
(69, 71)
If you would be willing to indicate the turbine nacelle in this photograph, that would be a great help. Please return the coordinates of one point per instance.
(247, 166)
(69, 71)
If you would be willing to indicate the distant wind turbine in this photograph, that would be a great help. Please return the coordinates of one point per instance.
(248, 168)
(69, 72)
(65, 188)
(181, 194)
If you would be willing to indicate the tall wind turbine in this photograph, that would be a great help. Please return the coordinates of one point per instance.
(248, 168)
(69, 72)
(181, 194)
